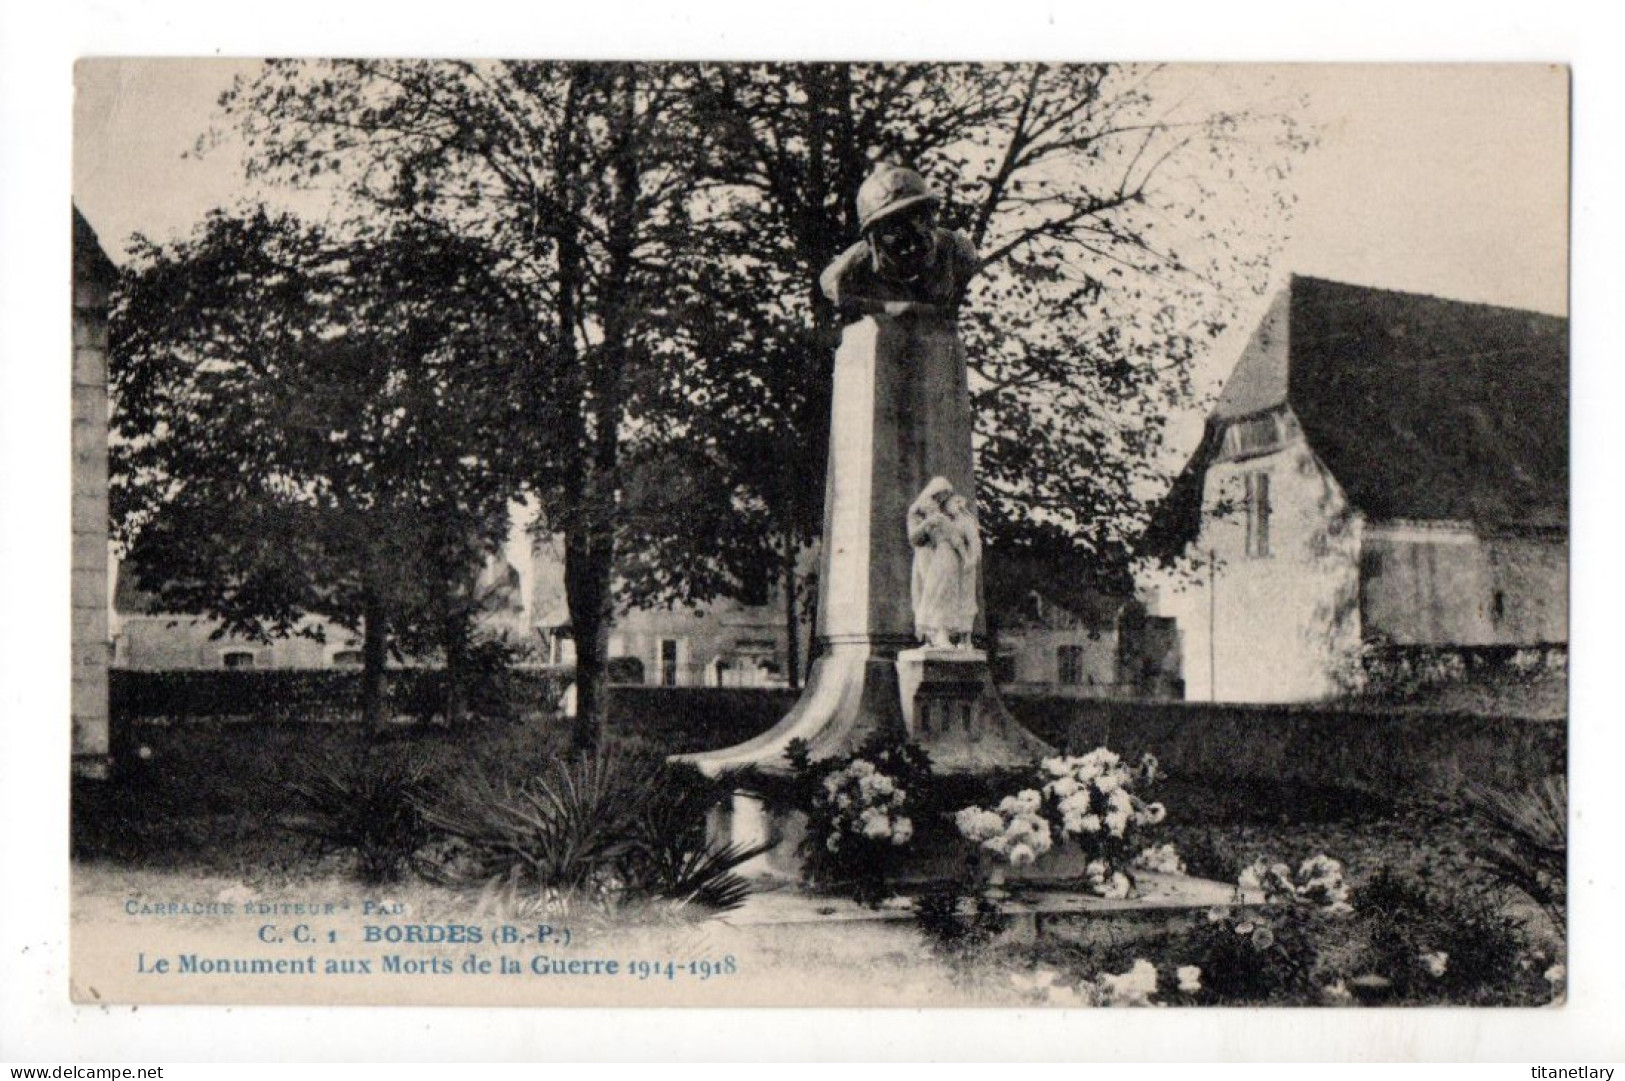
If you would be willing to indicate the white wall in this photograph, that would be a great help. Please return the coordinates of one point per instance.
(1287, 624)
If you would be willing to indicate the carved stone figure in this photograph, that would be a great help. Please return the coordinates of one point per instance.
(904, 262)
(947, 552)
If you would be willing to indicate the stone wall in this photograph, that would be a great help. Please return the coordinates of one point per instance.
(1445, 585)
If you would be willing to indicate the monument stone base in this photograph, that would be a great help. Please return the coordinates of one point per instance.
(951, 708)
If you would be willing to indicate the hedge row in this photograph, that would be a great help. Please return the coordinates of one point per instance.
(278, 694)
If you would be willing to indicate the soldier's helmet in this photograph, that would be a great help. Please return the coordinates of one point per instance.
(889, 190)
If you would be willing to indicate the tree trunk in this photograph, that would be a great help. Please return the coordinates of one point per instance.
(374, 652)
(454, 643)
(588, 562)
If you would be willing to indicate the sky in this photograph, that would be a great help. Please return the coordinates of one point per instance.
(1449, 179)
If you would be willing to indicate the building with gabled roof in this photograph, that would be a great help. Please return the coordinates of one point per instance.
(1381, 467)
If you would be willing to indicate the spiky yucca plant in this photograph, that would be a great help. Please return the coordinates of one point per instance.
(1525, 842)
(366, 803)
(611, 825)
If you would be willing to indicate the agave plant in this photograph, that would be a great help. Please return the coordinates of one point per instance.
(365, 803)
(618, 823)
(564, 828)
(673, 857)
(1525, 841)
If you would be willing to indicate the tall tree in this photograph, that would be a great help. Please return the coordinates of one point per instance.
(577, 172)
(305, 424)
(1117, 212)
(666, 224)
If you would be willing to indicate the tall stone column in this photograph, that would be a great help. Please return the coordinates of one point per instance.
(900, 416)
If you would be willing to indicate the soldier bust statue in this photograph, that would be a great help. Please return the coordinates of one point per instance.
(904, 263)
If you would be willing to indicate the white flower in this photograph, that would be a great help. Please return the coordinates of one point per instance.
(1436, 962)
(1133, 988)
(1077, 803)
(1024, 802)
(874, 825)
(1163, 858)
(1058, 767)
(1117, 823)
(1091, 823)
(1119, 887)
(1021, 855)
(1155, 813)
(902, 830)
(879, 784)
(1190, 978)
(1557, 973)
(1321, 866)
(1062, 787)
(978, 825)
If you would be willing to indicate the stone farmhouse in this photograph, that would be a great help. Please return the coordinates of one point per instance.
(1381, 469)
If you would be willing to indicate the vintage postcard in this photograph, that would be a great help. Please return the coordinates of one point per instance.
(820, 534)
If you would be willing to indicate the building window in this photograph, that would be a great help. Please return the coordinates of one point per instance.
(1370, 563)
(1069, 663)
(347, 658)
(668, 662)
(1257, 435)
(1499, 606)
(1258, 514)
(237, 659)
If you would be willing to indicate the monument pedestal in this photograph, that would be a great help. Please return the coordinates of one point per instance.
(951, 708)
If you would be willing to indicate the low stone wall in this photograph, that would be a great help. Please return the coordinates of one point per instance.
(688, 719)
(1396, 752)
(1393, 751)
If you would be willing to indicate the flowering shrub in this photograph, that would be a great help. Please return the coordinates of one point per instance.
(1141, 985)
(867, 804)
(1457, 942)
(861, 816)
(1088, 800)
(1274, 953)
(1318, 881)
